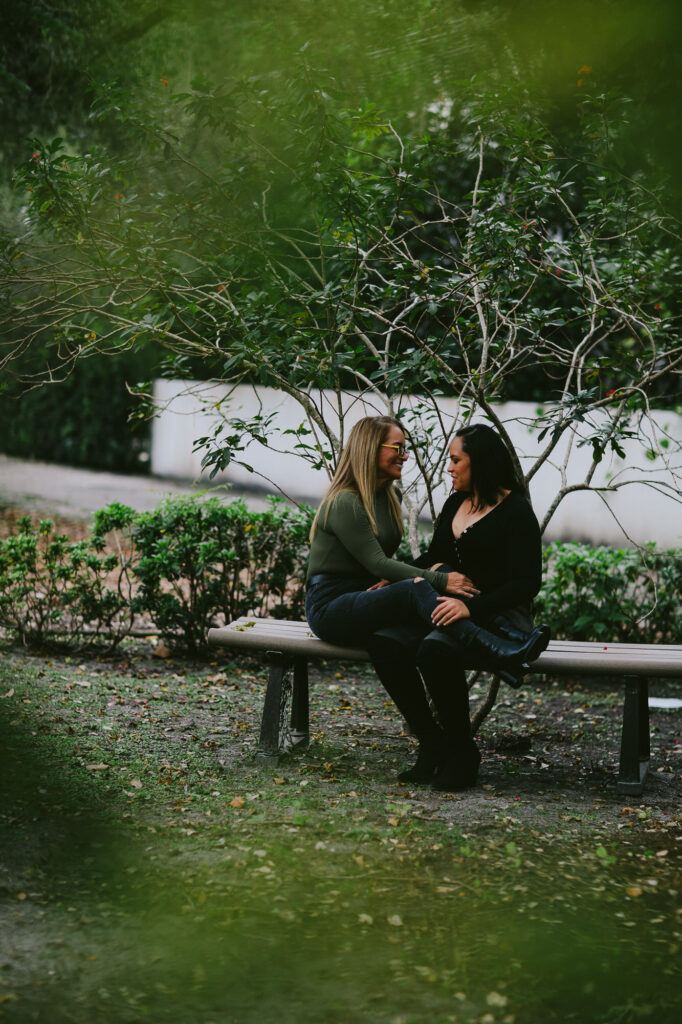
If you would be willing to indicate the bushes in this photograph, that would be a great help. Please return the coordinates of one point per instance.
(603, 593)
(191, 563)
(49, 583)
(198, 562)
(185, 566)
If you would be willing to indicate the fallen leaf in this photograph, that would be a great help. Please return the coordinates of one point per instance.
(10, 693)
(634, 891)
(96, 767)
(219, 677)
(365, 919)
(495, 999)
(395, 920)
(162, 651)
(135, 783)
(237, 802)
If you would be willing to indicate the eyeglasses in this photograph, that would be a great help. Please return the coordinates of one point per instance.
(399, 448)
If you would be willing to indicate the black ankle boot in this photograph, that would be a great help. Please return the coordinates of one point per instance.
(459, 772)
(498, 652)
(431, 756)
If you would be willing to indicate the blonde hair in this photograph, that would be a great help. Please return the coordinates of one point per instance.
(357, 471)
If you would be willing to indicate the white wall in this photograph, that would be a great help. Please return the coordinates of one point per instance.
(645, 514)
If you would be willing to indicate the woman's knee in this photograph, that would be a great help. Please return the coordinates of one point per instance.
(437, 651)
(394, 643)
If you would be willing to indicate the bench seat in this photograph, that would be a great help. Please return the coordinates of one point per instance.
(288, 645)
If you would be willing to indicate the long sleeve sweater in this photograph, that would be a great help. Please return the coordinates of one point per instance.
(345, 544)
(501, 553)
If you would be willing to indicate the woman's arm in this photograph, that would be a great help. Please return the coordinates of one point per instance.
(441, 541)
(348, 520)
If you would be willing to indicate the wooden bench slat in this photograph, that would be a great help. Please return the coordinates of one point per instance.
(581, 656)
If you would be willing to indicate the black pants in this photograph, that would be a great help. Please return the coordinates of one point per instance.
(394, 623)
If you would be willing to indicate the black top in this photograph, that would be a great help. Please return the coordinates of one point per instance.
(501, 553)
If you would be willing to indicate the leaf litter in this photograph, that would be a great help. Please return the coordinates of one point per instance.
(220, 879)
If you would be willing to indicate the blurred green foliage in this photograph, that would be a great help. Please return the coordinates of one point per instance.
(219, 178)
(612, 594)
(84, 420)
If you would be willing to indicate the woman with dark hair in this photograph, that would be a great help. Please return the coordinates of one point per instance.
(425, 612)
(487, 531)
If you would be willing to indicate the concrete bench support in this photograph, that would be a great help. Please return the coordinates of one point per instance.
(285, 722)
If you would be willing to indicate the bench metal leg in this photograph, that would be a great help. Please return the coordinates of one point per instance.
(300, 723)
(277, 733)
(634, 746)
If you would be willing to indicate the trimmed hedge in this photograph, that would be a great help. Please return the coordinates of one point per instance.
(191, 563)
(186, 565)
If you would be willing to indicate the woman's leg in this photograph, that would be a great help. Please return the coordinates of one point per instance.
(393, 653)
(440, 662)
(349, 618)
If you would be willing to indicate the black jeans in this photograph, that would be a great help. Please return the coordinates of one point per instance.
(342, 611)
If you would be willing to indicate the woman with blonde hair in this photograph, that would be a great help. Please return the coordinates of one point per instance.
(358, 594)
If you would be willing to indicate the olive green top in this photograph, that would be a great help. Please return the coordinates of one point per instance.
(346, 545)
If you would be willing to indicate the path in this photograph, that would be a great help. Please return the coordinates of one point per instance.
(76, 493)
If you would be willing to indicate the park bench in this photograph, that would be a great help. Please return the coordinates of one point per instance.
(289, 645)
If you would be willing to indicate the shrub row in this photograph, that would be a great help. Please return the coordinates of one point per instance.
(193, 563)
(184, 566)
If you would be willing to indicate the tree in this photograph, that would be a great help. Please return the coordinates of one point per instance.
(471, 260)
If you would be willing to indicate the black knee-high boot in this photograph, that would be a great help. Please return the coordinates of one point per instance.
(445, 681)
(495, 652)
(394, 663)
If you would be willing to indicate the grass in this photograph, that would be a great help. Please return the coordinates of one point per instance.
(152, 871)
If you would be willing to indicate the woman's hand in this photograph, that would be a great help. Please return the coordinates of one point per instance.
(449, 610)
(379, 585)
(458, 583)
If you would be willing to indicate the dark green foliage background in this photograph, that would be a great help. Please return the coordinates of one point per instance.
(57, 57)
(82, 421)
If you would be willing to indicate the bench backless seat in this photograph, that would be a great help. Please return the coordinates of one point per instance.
(289, 645)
